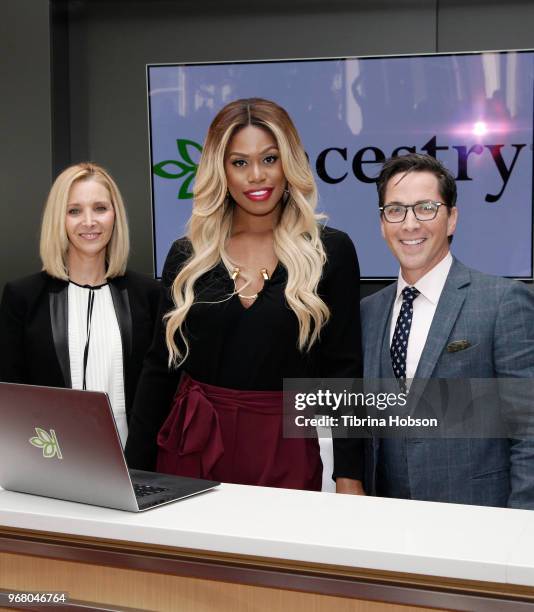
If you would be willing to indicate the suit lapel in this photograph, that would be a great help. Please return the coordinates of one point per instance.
(121, 303)
(447, 311)
(378, 326)
(378, 323)
(59, 311)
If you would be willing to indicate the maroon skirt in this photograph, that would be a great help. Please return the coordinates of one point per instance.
(235, 436)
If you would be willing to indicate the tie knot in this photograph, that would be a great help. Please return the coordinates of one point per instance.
(409, 294)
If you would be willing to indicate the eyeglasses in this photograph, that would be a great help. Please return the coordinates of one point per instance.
(425, 210)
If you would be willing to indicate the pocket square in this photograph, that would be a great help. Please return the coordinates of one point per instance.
(458, 345)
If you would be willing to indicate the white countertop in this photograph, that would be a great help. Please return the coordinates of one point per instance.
(448, 540)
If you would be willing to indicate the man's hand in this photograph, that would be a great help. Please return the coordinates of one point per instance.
(349, 486)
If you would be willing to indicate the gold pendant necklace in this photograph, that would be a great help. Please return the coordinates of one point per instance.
(235, 274)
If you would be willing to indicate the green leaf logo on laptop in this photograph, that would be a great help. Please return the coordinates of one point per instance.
(47, 442)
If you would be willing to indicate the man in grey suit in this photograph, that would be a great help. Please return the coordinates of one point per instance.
(456, 323)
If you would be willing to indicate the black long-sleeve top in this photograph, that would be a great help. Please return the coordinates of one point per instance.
(252, 348)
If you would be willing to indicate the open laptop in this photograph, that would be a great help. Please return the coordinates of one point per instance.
(63, 443)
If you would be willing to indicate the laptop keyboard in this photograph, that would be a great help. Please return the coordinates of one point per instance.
(142, 490)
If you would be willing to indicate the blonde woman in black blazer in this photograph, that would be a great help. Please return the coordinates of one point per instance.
(57, 326)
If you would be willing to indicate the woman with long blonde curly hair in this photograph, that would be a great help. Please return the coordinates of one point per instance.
(258, 291)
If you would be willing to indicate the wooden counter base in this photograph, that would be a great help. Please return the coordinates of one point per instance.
(151, 577)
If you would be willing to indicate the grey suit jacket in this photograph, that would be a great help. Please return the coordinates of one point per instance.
(496, 316)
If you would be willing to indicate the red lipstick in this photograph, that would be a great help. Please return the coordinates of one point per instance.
(260, 194)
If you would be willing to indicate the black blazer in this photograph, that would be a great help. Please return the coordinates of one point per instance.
(34, 329)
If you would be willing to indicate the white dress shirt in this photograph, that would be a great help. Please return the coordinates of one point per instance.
(430, 287)
(104, 364)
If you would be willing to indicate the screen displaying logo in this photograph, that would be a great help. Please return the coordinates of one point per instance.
(472, 111)
(47, 442)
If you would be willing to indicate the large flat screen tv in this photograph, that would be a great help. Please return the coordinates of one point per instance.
(472, 111)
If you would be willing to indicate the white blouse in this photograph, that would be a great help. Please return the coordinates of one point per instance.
(104, 370)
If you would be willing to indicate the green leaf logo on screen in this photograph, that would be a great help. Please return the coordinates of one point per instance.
(47, 442)
(185, 168)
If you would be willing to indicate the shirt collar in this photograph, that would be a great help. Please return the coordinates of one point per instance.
(431, 284)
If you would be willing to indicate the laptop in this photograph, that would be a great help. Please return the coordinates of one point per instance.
(64, 443)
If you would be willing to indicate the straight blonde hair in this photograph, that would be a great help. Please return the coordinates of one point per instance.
(297, 241)
(54, 243)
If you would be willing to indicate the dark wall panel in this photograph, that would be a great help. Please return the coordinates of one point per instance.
(25, 155)
(484, 25)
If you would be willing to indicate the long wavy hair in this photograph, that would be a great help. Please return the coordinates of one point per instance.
(297, 241)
